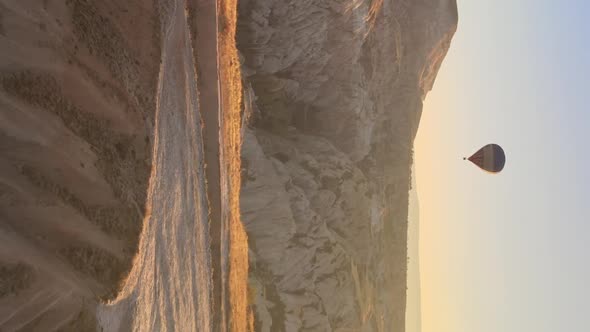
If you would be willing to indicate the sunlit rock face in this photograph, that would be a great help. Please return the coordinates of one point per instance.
(333, 95)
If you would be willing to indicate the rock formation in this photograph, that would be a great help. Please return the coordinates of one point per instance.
(333, 98)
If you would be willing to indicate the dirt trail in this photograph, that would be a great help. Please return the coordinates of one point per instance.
(169, 287)
(208, 85)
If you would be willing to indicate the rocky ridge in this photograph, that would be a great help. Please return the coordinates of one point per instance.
(333, 95)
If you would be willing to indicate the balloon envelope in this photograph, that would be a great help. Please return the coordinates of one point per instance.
(490, 158)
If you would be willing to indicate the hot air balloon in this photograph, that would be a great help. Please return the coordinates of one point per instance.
(490, 158)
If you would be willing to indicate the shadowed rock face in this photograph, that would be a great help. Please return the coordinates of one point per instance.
(333, 96)
(77, 96)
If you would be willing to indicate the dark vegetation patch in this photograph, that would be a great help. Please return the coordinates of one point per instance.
(124, 169)
(263, 274)
(15, 278)
(277, 311)
(276, 111)
(2, 32)
(245, 173)
(98, 264)
(43, 91)
(103, 40)
(282, 157)
(102, 37)
(365, 58)
(114, 220)
(84, 321)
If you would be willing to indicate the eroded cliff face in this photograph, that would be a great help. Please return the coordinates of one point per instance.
(333, 97)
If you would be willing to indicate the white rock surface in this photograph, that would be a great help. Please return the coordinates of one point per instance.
(338, 92)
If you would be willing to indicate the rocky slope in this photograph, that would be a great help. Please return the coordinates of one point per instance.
(333, 97)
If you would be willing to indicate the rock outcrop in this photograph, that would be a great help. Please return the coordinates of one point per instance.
(333, 98)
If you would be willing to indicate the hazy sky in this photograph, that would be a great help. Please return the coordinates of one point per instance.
(508, 252)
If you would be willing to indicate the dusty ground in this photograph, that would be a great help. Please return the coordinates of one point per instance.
(77, 97)
(112, 184)
(169, 287)
(184, 276)
(203, 24)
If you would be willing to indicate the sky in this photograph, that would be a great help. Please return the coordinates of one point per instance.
(508, 252)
